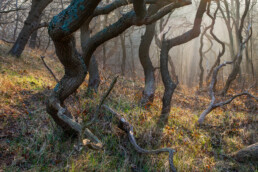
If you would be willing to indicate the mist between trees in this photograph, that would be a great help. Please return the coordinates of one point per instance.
(14, 13)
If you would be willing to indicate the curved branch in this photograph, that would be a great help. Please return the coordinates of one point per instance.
(194, 32)
(127, 20)
(114, 5)
(222, 52)
(128, 128)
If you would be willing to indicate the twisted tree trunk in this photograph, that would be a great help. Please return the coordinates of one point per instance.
(60, 30)
(169, 85)
(75, 68)
(146, 39)
(201, 57)
(149, 88)
(168, 44)
(222, 52)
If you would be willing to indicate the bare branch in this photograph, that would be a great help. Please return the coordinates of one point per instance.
(12, 10)
(114, 5)
(194, 32)
(128, 128)
(52, 73)
(102, 101)
(214, 105)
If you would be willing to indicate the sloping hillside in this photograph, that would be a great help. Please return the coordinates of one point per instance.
(30, 140)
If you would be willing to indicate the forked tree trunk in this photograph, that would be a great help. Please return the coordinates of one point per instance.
(30, 25)
(74, 65)
(168, 44)
(61, 28)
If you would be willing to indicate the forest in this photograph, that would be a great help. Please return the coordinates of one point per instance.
(129, 85)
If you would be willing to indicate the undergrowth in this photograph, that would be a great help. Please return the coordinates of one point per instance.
(31, 141)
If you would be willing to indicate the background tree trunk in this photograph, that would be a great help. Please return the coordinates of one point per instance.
(30, 25)
(94, 79)
(33, 38)
(122, 39)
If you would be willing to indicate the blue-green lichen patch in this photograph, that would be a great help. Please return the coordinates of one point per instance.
(67, 16)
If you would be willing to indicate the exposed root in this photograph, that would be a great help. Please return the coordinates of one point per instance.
(70, 126)
(128, 128)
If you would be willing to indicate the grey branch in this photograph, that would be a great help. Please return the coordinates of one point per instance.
(128, 128)
(102, 101)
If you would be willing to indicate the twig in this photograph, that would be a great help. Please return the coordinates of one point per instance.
(52, 73)
(8, 41)
(102, 101)
(11, 10)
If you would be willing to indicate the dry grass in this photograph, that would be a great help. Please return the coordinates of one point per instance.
(30, 141)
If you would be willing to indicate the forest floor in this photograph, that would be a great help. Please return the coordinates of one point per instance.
(30, 141)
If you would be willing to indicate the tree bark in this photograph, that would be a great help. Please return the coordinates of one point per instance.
(167, 44)
(33, 38)
(122, 39)
(30, 25)
(149, 88)
(75, 68)
(149, 74)
(172, 68)
(169, 85)
(94, 79)
(61, 28)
